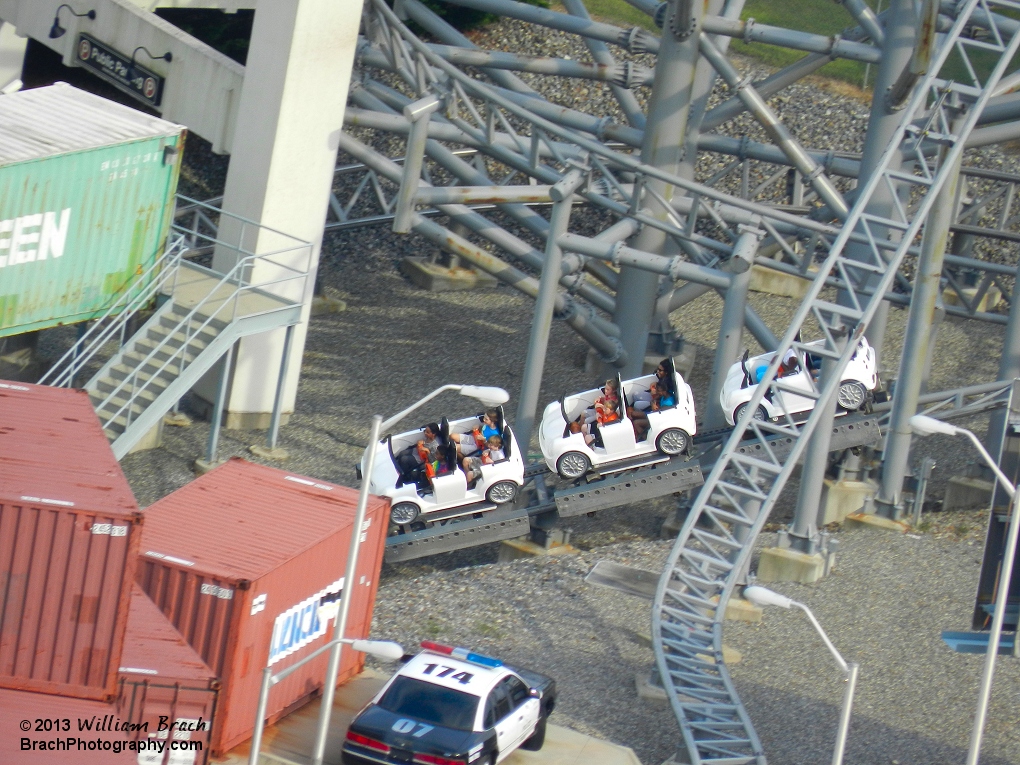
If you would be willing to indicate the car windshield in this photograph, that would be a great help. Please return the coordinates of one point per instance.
(430, 703)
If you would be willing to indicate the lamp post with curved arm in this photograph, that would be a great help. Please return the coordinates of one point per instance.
(763, 596)
(923, 426)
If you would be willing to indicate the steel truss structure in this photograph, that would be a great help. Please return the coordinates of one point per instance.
(483, 148)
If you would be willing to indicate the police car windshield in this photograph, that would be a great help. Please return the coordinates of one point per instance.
(430, 703)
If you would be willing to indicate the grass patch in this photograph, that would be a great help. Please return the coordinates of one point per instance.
(485, 629)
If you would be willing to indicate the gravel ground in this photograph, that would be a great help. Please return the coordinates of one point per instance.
(884, 605)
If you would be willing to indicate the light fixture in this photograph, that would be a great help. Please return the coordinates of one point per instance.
(168, 57)
(924, 425)
(489, 396)
(762, 596)
(56, 30)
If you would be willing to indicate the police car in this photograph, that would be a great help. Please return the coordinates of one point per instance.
(449, 706)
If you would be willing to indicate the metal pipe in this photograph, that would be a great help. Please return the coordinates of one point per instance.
(752, 31)
(730, 339)
(260, 717)
(844, 714)
(926, 290)
(1009, 367)
(274, 424)
(465, 195)
(563, 195)
(600, 53)
(621, 255)
(346, 594)
(775, 128)
(418, 115)
(866, 17)
(221, 396)
(636, 40)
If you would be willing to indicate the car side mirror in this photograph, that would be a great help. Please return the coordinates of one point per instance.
(535, 693)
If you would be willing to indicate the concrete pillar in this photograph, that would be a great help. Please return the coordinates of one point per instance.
(12, 54)
(281, 170)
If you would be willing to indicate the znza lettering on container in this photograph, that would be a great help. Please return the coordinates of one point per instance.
(29, 238)
(301, 624)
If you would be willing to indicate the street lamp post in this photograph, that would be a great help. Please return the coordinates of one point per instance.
(763, 596)
(924, 425)
(489, 397)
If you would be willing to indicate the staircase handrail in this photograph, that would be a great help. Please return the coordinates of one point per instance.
(126, 306)
(234, 276)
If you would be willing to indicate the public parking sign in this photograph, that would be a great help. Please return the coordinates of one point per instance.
(117, 69)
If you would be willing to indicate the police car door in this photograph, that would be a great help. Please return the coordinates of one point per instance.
(526, 708)
(497, 712)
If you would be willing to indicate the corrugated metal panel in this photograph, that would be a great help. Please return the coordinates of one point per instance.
(68, 545)
(247, 562)
(86, 195)
(37, 709)
(60, 119)
(164, 685)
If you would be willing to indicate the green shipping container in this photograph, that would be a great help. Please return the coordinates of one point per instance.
(86, 198)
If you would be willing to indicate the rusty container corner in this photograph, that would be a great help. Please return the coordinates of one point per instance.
(87, 191)
(164, 687)
(248, 564)
(69, 540)
(86, 721)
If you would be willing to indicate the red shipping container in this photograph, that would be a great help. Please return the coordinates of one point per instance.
(61, 725)
(248, 564)
(68, 545)
(165, 687)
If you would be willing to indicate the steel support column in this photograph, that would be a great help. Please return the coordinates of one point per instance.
(1009, 364)
(730, 341)
(804, 530)
(668, 111)
(562, 195)
(916, 347)
(900, 23)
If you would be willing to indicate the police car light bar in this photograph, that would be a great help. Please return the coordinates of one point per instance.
(461, 653)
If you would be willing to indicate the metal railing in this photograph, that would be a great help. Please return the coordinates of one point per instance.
(228, 291)
(113, 323)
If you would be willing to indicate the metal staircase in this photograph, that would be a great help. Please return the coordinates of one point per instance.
(200, 314)
(718, 536)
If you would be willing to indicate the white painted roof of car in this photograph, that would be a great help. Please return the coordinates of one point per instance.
(475, 679)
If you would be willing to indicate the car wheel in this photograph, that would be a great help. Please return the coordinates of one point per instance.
(672, 441)
(537, 739)
(759, 413)
(851, 395)
(502, 492)
(573, 465)
(403, 512)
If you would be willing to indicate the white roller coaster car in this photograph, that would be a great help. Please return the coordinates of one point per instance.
(419, 496)
(859, 380)
(609, 447)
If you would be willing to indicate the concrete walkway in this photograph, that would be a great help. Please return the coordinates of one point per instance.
(290, 741)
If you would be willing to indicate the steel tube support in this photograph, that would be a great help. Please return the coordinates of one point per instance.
(775, 128)
(541, 324)
(340, 625)
(668, 113)
(882, 125)
(804, 530)
(418, 114)
(1009, 366)
(274, 423)
(728, 346)
(916, 348)
(221, 397)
